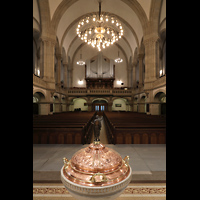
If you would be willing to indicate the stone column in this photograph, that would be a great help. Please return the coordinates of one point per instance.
(47, 48)
(70, 78)
(65, 74)
(110, 106)
(58, 56)
(134, 75)
(140, 57)
(151, 53)
(129, 70)
(89, 102)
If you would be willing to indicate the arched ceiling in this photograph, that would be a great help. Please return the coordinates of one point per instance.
(65, 14)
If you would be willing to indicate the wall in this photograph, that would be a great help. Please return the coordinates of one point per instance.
(119, 101)
(79, 103)
(88, 53)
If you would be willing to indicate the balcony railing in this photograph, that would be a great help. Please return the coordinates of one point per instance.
(85, 91)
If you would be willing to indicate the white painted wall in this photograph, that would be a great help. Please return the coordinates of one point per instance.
(79, 103)
(119, 101)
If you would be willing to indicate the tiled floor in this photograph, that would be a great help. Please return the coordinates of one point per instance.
(134, 191)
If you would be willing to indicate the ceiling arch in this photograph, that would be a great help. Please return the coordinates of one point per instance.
(61, 18)
(69, 11)
(66, 14)
(129, 36)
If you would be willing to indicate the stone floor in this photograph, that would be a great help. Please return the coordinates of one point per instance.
(148, 161)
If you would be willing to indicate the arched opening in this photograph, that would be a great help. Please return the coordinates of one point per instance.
(160, 97)
(100, 105)
(80, 104)
(119, 104)
(38, 97)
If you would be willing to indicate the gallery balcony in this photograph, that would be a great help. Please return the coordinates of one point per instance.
(100, 92)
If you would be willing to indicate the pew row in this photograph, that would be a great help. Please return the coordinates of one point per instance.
(63, 128)
(131, 128)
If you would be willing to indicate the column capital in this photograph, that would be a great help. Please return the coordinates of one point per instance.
(148, 39)
(47, 39)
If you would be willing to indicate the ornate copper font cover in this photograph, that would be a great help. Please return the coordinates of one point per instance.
(96, 165)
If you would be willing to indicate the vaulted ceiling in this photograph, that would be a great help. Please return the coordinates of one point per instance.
(62, 16)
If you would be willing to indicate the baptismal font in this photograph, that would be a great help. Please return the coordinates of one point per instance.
(96, 172)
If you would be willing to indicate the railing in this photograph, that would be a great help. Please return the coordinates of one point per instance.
(97, 91)
(84, 91)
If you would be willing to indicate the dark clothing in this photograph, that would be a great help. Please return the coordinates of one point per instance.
(97, 128)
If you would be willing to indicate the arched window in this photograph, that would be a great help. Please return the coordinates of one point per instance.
(162, 71)
(34, 57)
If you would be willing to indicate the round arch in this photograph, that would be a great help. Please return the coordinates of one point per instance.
(38, 97)
(40, 93)
(133, 4)
(118, 17)
(80, 104)
(99, 105)
(159, 95)
(157, 92)
(99, 99)
(119, 104)
(160, 99)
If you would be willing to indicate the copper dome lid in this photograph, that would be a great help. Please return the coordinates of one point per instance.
(96, 165)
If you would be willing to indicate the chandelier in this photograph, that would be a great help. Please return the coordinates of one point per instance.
(118, 59)
(99, 30)
(80, 62)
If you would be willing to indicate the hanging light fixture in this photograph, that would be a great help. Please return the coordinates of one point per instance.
(80, 62)
(118, 59)
(99, 30)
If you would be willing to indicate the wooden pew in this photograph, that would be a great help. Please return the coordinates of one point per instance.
(134, 128)
(63, 128)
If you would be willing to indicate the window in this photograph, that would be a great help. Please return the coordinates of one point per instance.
(96, 108)
(102, 108)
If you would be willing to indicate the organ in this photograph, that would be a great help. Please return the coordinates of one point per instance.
(99, 72)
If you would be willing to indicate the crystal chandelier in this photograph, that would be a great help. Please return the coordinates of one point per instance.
(99, 30)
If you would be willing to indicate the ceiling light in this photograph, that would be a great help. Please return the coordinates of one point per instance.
(118, 59)
(99, 28)
(80, 62)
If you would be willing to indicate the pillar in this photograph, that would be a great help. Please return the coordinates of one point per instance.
(140, 57)
(134, 75)
(58, 56)
(151, 54)
(129, 70)
(47, 48)
(70, 78)
(65, 74)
